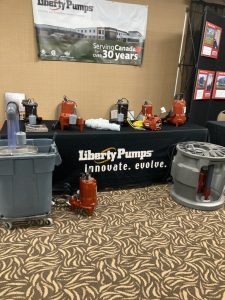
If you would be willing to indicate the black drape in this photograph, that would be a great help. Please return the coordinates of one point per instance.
(189, 63)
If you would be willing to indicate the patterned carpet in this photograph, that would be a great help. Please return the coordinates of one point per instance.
(138, 245)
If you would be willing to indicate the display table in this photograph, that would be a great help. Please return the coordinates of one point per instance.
(216, 132)
(117, 159)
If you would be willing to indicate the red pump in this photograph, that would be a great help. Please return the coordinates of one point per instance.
(150, 121)
(87, 198)
(178, 113)
(153, 123)
(68, 110)
(204, 182)
(146, 109)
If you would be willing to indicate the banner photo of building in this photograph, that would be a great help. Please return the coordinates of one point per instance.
(90, 31)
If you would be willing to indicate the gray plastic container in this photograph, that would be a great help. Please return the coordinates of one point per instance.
(26, 180)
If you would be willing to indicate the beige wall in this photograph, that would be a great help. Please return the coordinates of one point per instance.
(95, 87)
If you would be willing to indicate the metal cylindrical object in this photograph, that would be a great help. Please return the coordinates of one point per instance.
(72, 119)
(120, 118)
(32, 119)
(21, 138)
(198, 172)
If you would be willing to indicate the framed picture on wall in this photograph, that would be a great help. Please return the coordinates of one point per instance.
(204, 85)
(219, 86)
(211, 40)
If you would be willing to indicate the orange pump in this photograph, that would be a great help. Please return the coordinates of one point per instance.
(204, 182)
(67, 116)
(146, 109)
(153, 123)
(150, 121)
(178, 113)
(87, 196)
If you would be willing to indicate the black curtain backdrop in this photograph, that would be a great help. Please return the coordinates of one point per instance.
(199, 111)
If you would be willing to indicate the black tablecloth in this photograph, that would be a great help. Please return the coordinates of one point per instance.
(117, 159)
(216, 132)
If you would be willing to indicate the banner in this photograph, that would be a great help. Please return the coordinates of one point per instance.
(90, 31)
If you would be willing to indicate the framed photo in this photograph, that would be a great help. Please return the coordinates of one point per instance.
(219, 86)
(204, 85)
(211, 40)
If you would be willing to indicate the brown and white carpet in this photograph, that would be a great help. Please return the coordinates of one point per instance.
(138, 245)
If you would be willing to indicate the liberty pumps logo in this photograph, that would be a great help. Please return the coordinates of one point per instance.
(111, 154)
(65, 4)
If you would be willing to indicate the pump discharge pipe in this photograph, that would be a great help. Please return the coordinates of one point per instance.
(12, 113)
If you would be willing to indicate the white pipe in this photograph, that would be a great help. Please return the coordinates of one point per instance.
(102, 124)
(181, 50)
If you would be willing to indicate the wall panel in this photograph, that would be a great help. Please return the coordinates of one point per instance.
(95, 87)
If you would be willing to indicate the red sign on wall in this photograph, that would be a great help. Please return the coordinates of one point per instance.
(204, 85)
(211, 40)
(219, 86)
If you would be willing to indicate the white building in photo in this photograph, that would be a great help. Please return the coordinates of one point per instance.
(109, 33)
(95, 33)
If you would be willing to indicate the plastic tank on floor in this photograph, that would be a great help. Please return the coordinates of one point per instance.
(26, 178)
(198, 172)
